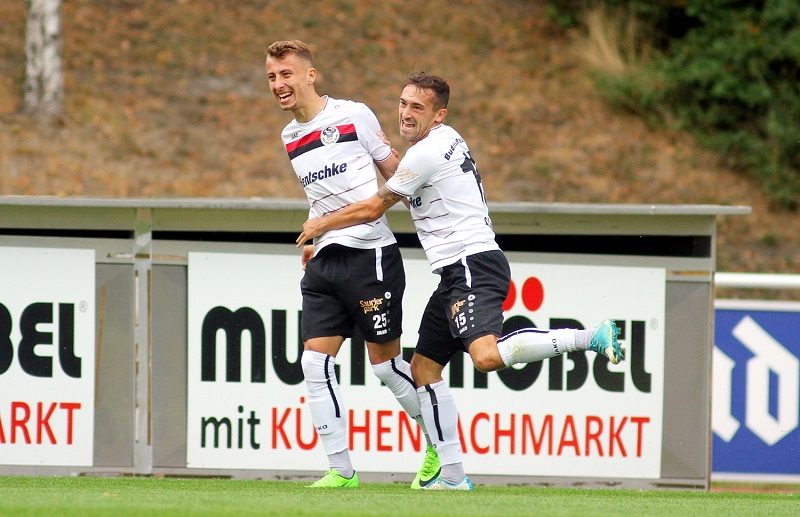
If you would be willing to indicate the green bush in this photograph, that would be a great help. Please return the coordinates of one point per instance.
(729, 71)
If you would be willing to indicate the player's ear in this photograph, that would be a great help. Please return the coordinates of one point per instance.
(311, 75)
(441, 115)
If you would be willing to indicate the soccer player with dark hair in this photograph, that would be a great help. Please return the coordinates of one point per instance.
(439, 177)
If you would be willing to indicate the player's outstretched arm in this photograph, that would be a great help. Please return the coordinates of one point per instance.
(364, 211)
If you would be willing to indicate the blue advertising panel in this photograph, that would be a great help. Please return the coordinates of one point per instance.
(756, 382)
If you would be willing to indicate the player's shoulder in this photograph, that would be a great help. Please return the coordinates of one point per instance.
(347, 105)
(448, 134)
(353, 112)
(435, 149)
(439, 138)
(423, 155)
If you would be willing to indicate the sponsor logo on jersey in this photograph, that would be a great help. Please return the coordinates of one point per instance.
(405, 175)
(333, 169)
(453, 146)
(373, 305)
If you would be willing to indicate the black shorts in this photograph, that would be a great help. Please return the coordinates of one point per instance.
(346, 288)
(467, 304)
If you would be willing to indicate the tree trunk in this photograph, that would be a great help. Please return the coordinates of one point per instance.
(43, 92)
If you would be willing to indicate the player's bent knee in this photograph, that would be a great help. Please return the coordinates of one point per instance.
(485, 355)
(425, 371)
(382, 352)
(485, 361)
(314, 365)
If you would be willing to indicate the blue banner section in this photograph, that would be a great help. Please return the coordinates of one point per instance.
(756, 380)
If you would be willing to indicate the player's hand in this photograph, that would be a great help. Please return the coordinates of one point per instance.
(308, 250)
(311, 228)
(386, 141)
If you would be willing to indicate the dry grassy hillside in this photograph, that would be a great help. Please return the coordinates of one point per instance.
(169, 99)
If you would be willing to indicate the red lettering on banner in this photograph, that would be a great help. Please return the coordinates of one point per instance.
(473, 434)
(70, 407)
(639, 421)
(546, 430)
(44, 423)
(499, 433)
(383, 430)
(569, 428)
(461, 437)
(614, 437)
(354, 429)
(407, 425)
(22, 423)
(593, 436)
(277, 428)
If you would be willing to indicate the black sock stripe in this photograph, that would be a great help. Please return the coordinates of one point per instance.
(435, 405)
(404, 376)
(330, 388)
(522, 331)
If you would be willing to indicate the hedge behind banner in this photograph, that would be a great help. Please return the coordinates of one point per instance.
(727, 71)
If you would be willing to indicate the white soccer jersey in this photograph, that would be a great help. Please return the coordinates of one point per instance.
(445, 193)
(333, 155)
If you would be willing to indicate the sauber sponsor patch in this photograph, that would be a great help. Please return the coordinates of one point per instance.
(373, 305)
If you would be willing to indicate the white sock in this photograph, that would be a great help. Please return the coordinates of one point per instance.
(327, 411)
(441, 418)
(454, 473)
(341, 462)
(583, 338)
(396, 374)
(530, 344)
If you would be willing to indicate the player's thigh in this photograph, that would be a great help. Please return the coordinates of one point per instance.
(329, 345)
(381, 352)
(474, 290)
(373, 293)
(324, 314)
(425, 370)
(436, 342)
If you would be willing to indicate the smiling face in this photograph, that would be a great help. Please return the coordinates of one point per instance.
(419, 113)
(291, 81)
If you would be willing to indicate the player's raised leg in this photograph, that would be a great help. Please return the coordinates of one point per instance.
(531, 344)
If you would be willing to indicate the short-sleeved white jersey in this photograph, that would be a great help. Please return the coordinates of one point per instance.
(446, 196)
(333, 155)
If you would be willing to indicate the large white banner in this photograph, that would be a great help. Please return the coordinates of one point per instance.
(568, 416)
(47, 359)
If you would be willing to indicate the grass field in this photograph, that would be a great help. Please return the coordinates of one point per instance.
(120, 496)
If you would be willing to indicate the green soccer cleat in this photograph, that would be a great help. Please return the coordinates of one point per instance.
(429, 470)
(440, 484)
(332, 479)
(604, 342)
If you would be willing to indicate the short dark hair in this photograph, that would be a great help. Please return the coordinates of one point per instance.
(436, 84)
(281, 49)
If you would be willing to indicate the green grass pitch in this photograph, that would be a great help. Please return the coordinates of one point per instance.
(119, 496)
